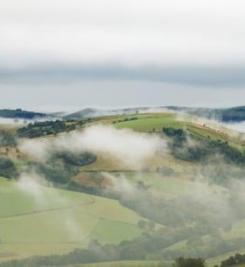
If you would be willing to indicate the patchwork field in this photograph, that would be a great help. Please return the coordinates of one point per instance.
(54, 221)
(167, 207)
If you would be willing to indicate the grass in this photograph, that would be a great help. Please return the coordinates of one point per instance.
(126, 264)
(146, 123)
(58, 221)
(237, 230)
(115, 232)
(157, 121)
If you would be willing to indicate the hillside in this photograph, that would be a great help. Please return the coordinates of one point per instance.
(41, 220)
(183, 197)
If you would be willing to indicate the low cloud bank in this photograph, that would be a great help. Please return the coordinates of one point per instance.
(128, 147)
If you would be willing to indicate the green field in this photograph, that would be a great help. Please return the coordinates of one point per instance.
(127, 264)
(146, 123)
(155, 122)
(62, 221)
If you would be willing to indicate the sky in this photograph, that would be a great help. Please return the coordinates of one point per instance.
(71, 54)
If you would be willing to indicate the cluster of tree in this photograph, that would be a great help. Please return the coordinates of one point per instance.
(236, 114)
(80, 159)
(189, 262)
(62, 166)
(141, 249)
(233, 260)
(126, 119)
(231, 154)
(150, 245)
(201, 149)
(179, 135)
(7, 168)
(197, 248)
(7, 138)
(20, 114)
(125, 251)
(38, 129)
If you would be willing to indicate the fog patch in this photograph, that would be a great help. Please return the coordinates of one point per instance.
(38, 149)
(32, 185)
(237, 126)
(126, 146)
(232, 129)
(120, 185)
(47, 198)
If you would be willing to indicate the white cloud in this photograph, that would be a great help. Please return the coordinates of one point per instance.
(32, 184)
(126, 146)
(126, 32)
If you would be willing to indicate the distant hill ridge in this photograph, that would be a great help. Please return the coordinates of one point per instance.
(233, 114)
(20, 114)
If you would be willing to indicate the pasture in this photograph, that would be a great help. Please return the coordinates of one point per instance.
(54, 221)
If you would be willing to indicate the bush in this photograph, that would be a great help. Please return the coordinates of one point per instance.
(7, 139)
(38, 129)
(7, 168)
(189, 262)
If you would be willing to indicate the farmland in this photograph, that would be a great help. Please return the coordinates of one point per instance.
(167, 207)
(29, 227)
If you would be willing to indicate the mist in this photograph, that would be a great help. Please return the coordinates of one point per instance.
(126, 146)
(240, 127)
(47, 198)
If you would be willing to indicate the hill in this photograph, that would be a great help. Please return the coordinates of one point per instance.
(233, 114)
(94, 112)
(185, 199)
(21, 114)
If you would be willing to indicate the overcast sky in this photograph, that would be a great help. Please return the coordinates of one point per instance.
(68, 54)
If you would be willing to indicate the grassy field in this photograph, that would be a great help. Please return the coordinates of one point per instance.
(126, 264)
(146, 123)
(155, 122)
(57, 221)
